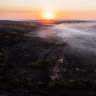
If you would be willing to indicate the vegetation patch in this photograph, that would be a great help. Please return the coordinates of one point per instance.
(40, 64)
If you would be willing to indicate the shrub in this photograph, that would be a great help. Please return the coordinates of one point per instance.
(51, 85)
(40, 63)
(17, 82)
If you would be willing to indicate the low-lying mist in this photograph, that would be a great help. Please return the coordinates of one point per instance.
(80, 37)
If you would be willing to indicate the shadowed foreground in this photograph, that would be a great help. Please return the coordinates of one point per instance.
(35, 64)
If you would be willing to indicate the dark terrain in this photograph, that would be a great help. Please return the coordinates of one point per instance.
(35, 66)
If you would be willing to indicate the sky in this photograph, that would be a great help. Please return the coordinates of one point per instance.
(63, 9)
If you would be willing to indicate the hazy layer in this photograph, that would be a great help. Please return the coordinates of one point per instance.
(79, 36)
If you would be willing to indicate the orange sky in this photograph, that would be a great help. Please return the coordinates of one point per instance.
(63, 9)
(59, 15)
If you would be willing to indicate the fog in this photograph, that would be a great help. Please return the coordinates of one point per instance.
(79, 37)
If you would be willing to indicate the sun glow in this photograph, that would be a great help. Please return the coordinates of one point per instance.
(48, 15)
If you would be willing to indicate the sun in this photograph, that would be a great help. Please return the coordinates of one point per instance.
(48, 15)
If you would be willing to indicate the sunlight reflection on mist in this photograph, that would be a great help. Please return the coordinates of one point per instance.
(81, 36)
